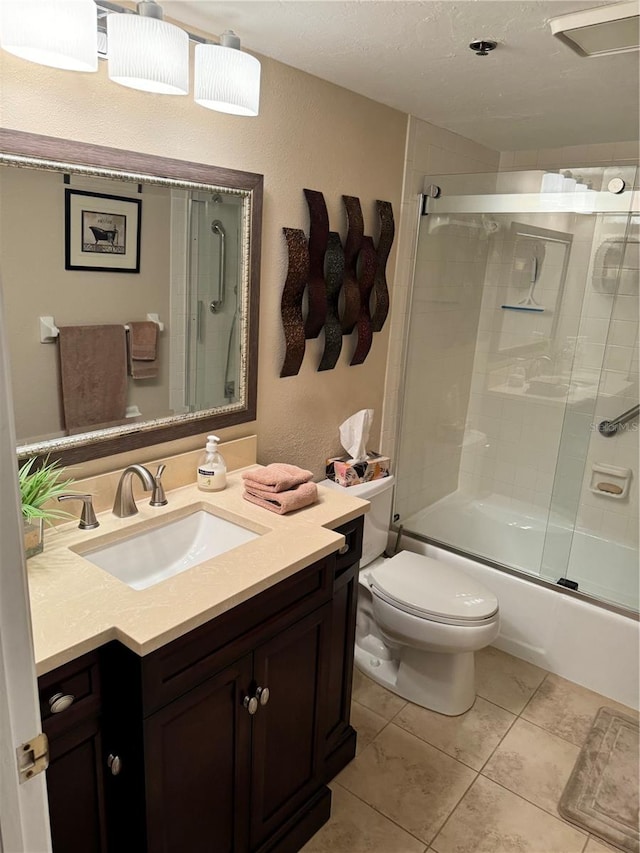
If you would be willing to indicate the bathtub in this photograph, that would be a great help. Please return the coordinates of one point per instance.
(583, 642)
(516, 535)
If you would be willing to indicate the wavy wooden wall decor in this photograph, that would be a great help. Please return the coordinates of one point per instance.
(385, 241)
(334, 273)
(291, 304)
(316, 287)
(366, 274)
(350, 289)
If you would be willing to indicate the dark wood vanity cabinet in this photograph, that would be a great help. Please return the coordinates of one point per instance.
(225, 738)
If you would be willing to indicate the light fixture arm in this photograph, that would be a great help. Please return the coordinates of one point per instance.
(150, 9)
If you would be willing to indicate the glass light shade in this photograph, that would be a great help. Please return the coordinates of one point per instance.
(227, 80)
(148, 54)
(57, 33)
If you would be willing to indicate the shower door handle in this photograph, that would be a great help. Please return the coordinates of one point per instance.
(200, 321)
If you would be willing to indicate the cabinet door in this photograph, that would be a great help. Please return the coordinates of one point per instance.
(75, 785)
(288, 730)
(198, 753)
(340, 738)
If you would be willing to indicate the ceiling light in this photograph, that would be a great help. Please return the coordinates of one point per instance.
(601, 31)
(57, 33)
(225, 78)
(148, 53)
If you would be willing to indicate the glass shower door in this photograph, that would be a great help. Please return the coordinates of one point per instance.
(501, 362)
(213, 364)
(596, 483)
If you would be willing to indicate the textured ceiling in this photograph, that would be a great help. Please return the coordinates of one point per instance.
(531, 92)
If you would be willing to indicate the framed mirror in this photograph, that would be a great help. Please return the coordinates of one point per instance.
(94, 238)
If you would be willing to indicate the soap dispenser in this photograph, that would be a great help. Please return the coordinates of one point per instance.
(212, 471)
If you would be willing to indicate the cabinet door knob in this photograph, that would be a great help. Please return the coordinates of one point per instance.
(60, 702)
(344, 548)
(114, 763)
(251, 704)
(262, 695)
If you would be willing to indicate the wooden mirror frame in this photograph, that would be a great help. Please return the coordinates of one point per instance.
(63, 154)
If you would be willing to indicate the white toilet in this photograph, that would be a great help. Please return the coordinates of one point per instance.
(419, 621)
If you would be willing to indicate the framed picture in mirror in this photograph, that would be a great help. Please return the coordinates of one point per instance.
(102, 232)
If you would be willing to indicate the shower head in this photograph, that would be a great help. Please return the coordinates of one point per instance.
(216, 198)
(217, 227)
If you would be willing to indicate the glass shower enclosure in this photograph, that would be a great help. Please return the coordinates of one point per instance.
(522, 342)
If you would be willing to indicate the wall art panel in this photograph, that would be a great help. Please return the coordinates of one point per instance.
(316, 289)
(380, 289)
(291, 304)
(334, 273)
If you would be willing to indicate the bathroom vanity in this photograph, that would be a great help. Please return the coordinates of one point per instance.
(223, 737)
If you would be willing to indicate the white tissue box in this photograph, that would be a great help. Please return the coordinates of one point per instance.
(352, 473)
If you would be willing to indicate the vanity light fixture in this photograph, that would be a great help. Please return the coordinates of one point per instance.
(58, 33)
(143, 51)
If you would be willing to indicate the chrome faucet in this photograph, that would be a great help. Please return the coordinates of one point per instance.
(124, 505)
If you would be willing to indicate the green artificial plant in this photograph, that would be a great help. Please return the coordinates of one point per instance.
(39, 486)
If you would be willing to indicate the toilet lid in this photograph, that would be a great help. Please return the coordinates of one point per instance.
(426, 586)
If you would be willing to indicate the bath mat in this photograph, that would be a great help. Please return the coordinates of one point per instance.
(601, 795)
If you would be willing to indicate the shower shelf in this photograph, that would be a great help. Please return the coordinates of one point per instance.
(610, 481)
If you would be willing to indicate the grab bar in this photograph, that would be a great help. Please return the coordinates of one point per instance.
(217, 304)
(609, 428)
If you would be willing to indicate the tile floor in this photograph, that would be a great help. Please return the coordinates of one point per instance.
(485, 782)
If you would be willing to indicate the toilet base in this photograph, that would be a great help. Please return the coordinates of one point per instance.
(439, 682)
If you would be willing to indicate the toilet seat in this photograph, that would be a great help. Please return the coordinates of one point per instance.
(428, 589)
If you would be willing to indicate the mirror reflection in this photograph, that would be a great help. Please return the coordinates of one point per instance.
(96, 253)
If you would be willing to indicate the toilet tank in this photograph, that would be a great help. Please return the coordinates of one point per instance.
(376, 522)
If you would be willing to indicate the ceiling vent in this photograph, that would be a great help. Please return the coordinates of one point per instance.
(602, 31)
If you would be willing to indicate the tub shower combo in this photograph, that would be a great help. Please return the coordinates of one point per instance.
(518, 443)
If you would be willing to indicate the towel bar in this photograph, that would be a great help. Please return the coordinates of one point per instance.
(49, 331)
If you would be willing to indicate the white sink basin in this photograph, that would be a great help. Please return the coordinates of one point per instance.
(158, 553)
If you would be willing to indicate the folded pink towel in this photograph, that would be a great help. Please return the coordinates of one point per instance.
(277, 477)
(283, 502)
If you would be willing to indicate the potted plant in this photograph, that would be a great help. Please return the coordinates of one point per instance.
(38, 486)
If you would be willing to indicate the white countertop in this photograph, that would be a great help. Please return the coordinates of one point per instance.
(77, 607)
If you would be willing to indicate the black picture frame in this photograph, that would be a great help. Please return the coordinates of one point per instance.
(102, 232)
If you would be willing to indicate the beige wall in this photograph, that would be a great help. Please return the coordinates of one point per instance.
(309, 134)
(32, 245)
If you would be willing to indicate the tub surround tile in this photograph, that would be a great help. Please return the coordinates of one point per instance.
(375, 697)
(505, 680)
(534, 764)
(469, 738)
(367, 724)
(491, 819)
(567, 709)
(354, 827)
(409, 781)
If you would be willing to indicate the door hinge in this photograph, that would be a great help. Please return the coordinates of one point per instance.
(32, 757)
